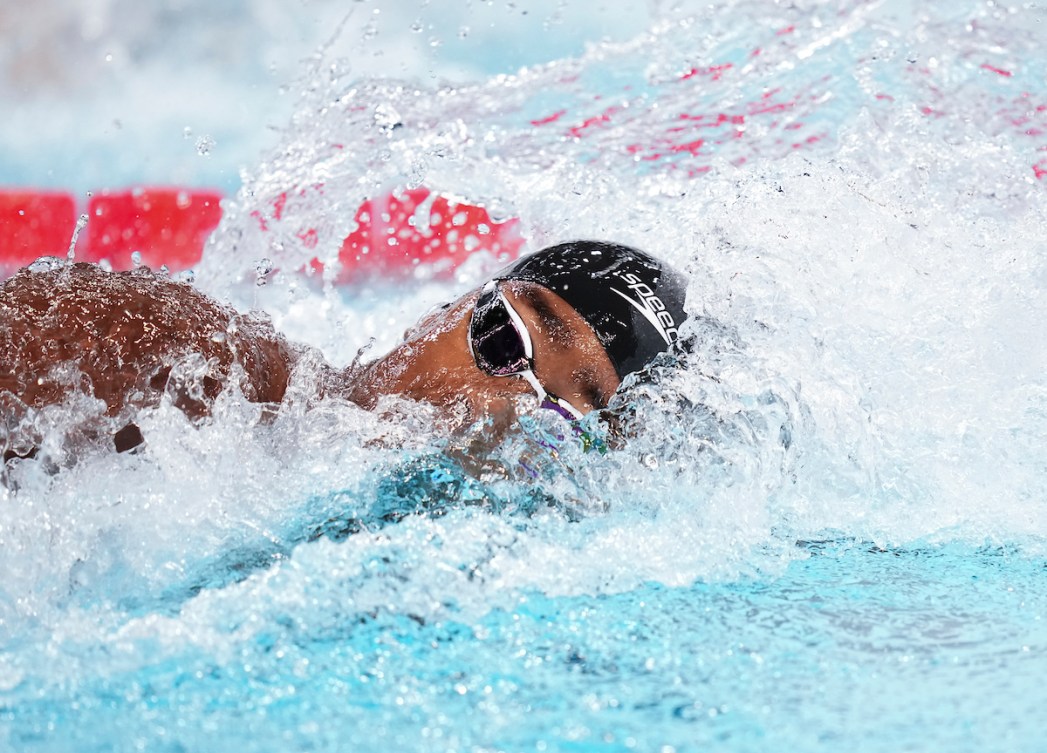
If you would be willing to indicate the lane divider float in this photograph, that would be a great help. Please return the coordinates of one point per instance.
(396, 233)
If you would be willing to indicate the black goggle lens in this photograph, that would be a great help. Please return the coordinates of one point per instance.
(497, 346)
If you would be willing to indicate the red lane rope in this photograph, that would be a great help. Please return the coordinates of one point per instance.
(169, 226)
(164, 225)
(34, 224)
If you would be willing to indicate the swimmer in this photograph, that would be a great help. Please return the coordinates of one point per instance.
(565, 325)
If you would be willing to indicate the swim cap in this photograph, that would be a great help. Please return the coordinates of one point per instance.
(633, 302)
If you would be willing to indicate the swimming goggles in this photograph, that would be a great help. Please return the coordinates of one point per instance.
(501, 346)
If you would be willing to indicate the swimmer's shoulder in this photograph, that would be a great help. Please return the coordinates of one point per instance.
(123, 328)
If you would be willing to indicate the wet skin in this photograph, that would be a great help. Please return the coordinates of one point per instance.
(126, 333)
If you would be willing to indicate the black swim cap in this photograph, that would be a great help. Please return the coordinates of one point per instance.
(633, 302)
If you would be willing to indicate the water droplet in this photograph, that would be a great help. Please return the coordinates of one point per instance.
(136, 259)
(108, 57)
(650, 461)
(187, 133)
(263, 268)
(416, 173)
(417, 27)
(188, 277)
(204, 145)
(46, 264)
(463, 32)
(387, 118)
(81, 223)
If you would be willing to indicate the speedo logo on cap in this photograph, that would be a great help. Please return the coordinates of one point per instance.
(650, 305)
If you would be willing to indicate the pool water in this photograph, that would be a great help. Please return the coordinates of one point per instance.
(827, 531)
(853, 646)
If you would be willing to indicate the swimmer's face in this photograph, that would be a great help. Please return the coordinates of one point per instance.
(436, 365)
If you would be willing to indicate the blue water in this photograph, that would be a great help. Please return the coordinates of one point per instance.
(923, 648)
(827, 531)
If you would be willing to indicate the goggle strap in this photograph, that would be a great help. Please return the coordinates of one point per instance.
(564, 405)
(561, 406)
(535, 385)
